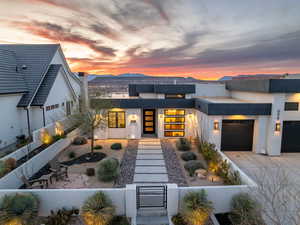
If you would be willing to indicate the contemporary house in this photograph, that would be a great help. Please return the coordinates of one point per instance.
(36, 89)
(259, 115)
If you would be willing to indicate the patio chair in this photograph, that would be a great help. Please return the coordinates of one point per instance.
(59, 170)
(35, 184)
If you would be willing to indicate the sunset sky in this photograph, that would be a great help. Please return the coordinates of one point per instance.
(206, 39)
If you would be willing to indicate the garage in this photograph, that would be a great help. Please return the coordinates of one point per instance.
(237, 135)
(290, 136)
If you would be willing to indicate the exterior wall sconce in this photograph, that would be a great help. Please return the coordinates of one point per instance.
(277, 126)
(216, 125)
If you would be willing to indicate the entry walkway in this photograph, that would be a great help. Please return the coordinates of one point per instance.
(150, 168)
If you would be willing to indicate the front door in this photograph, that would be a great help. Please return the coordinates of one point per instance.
(149, 121)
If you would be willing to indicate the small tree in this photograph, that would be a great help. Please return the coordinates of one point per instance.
(278, 195)
(89, 119)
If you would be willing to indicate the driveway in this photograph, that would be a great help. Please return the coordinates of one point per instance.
(267, 170)
(253, 164)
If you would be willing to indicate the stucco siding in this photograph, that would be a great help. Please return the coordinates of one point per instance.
(11, 119)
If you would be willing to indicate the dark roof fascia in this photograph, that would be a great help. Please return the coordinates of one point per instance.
(210, 108)
(265, 85)
(14, 92)
(143, 103)
(135, 89)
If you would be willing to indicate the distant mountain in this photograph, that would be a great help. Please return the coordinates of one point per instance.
(225, 78)
(132, 75)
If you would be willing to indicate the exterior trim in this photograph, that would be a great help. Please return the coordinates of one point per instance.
(233, 108)
(265, 86)
(143, 103)
(199, 104)
(135, 89)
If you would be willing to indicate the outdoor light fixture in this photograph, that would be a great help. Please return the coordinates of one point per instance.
(277, 126)
(216, 125)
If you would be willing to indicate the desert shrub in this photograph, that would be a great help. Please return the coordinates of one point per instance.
(3, 169)
(116, 146)
(178, 220)
(187, 156)
(98, 210)
(90, 172)
(197, 208)
(119, 220)
(108, 169)
(245, 210)
(58, 137)
(192, 165)
(223, 169)
(98, 147)
(209, 151)
(183, 144)
(233, 178)
(72, 155)
(79, 141)
(60, 217)
(19, 209)
(10, 164)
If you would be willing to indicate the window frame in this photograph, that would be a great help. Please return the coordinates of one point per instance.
(291, 106)
(116, 119)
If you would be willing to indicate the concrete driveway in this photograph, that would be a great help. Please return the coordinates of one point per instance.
(253, 164)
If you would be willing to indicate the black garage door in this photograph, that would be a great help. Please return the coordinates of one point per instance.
(290, 136)
(237, 135)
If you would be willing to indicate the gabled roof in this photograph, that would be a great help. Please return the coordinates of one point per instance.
(44, 89)
(36, 59)
(11, 80)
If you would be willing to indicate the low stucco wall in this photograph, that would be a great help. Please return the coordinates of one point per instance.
(13, 180)
(53, 199)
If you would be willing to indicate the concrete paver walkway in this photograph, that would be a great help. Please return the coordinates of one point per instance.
(150, 164)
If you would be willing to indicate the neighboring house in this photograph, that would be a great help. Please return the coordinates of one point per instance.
(36, 89)
(239, 115)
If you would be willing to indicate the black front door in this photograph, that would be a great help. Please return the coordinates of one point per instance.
(237, 135)
(290, 136)
(149, 121)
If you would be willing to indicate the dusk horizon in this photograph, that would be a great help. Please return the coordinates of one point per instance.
(200, 39)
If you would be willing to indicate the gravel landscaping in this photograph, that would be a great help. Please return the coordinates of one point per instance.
(174, 168)
(127, 166)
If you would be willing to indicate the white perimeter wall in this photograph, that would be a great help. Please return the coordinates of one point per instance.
(13, 121)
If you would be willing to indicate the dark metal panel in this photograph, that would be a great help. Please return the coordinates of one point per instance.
(237, 135)
(290, 136)
(210, 108)
(135, 89)
(284, 85)
(143, 103)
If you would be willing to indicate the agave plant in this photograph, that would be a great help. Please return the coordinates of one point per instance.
(197, 208)
(19, 209)
(98, 210)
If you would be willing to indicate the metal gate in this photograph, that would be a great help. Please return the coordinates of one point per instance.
(151, 197)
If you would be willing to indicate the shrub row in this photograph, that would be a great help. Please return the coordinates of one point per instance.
(217, 165)
(23, 209)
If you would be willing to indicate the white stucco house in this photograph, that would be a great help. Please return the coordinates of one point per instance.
(36, 89)
(259, 115)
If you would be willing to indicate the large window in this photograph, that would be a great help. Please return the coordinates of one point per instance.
(116, 119)
(174, 123)
(291, 106)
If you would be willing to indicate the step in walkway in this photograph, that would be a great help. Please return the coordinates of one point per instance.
(150, 168)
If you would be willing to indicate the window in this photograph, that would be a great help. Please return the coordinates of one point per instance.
(174, 123)
(116, 119)
(48, 108)
(172, 96)
(291, 106)
(174, 133)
